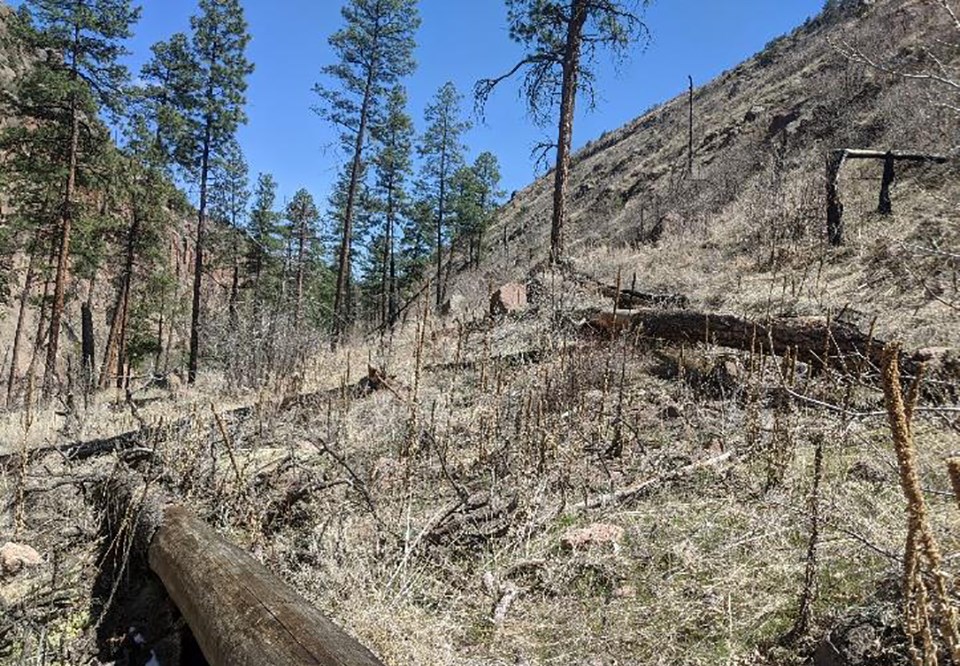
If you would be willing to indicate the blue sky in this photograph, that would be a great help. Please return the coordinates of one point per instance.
(462, 41)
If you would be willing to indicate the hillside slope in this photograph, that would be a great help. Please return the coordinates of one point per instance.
(750, 224)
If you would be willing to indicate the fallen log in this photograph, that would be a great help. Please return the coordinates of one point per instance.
(238, 611)
(814, 340)
(128, 440)
(631, 298)
(147, 434)
(633, 491)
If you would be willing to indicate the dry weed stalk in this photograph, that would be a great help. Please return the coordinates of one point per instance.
(809, 592)
(953, 468)
(228, 443)
(920, 538)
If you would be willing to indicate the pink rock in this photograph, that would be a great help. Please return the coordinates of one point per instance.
(511, 297)
(603, 535)
(14, 557)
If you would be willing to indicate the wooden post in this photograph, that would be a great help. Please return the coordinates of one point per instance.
(886, 205)
(835, 160)
(834, 206)
(239, 612)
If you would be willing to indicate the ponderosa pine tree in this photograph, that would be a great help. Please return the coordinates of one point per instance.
(212, 114)
(393, 167)
(170, 82)
(474, 199)
(442, 151)
(80, 76)
(417, 242)
(230, 201)
(374, 51)
(302, 216)
(561, 39)
(262, 229)
(144, 191)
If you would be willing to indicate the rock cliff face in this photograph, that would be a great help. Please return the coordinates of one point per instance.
(13, 59)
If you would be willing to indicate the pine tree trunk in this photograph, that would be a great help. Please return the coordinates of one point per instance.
(87, 346)
(301, 251)
(390, 266)
(24, 299)
(235, 279)
(571, 71)
(114, 350)
(63, 257)
(441, 204)
(198, 253)
(41, 326)
(341, 297)
(113, 335)
(385, 260)
(122, 337)
(234, 292)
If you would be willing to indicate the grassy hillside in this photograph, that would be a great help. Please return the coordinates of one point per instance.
(520, 492)
(750, 224)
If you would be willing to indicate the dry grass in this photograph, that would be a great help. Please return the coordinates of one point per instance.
(709, 571)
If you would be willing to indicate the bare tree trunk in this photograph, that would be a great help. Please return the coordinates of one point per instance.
(122, 337)
(24, 299)
(113, 352)
(87, 346)
(835, 160)
(41, 326)
(198, 253)
(690, 134)
(391, 242)
(301, 252)
(441, 204)
(341, 297)
(63, 257)
(571, 71)
(235, 280)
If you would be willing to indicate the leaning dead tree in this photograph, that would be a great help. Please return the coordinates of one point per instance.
(835, 161)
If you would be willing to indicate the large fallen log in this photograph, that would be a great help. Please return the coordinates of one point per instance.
(814, 340)
(140, 438)
(238, 611)
(630, 298)
(147, 435)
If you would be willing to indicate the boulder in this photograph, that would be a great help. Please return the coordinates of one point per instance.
(871, 636)
(754, 113)
(510, 298)
(14, 557)
(596, 535)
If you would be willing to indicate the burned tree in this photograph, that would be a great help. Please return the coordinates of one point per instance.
(561, 39)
